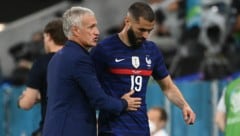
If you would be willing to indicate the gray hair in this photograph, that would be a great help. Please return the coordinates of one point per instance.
(73, 17)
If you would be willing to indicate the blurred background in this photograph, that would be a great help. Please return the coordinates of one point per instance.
(200, 40)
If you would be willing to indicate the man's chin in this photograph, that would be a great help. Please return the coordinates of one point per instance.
(93, 44)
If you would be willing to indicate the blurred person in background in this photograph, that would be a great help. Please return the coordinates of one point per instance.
(227, 116)
(157, 121)
(74, 92)
(125, 61)
(24, 54)
(232, 46)
(169, 17)
(36, 90)
(168, 26)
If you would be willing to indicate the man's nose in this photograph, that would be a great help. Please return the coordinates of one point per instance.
(97, 32)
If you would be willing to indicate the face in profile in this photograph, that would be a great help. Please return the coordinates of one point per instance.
(46, 38)
(138, 31)
(88, 31)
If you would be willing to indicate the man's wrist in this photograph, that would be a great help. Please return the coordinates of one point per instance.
(125, 104)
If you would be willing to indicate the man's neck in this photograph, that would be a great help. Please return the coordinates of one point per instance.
(123, 37)
(80, 44)
(56, 48)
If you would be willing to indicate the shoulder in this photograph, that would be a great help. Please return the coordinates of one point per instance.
(105, 45)
(44, 58)
(39, 62)
(72, 52)
(236, 81)
(109, 40)
(150, 45)
(234, 84)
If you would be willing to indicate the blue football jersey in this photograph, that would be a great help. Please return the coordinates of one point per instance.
(120, 69)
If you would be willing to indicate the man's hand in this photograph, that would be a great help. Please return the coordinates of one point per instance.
(188, 115)
(29, 98)
(133, 103)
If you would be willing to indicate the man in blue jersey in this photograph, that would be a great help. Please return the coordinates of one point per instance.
(126, 61)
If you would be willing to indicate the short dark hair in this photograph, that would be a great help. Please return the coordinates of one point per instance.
(141, 9)
(55, 29)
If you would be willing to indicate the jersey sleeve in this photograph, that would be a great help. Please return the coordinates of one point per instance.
(159, 69)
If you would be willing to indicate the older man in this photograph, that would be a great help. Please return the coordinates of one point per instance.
(73, 89)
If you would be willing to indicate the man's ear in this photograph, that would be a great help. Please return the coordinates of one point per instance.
(127, 21)
(46, 36)
(75, 30)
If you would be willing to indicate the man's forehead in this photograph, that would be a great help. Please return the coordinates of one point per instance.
(143, 23)
(89, 19)
(141, 20)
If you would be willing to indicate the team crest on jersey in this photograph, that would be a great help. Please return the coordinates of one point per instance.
(148, 61)
(135, 61)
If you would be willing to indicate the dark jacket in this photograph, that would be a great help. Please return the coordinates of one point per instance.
(74, 93)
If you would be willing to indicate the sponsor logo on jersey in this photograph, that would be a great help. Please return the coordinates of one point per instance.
(118, 60)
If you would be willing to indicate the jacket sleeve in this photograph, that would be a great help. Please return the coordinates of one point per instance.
(85, 74)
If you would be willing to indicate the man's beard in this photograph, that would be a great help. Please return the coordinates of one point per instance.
(133, 40)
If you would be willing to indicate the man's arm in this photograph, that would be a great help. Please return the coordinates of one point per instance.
(85, 74)
(29, 98)
(220, 120)
(174, 95)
